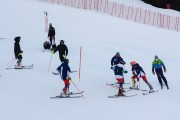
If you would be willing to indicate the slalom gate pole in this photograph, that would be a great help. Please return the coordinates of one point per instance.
(11, 60)
(77, 88)
(80, 63)
(50, 63)
(46, 21)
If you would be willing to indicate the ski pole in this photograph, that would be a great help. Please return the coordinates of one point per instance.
(11, 64)
(77, 89)
(50, 63)
(11, 61)
(139, 85)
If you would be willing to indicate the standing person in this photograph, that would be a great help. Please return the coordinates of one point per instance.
(64, 71)
(117, 59)
(63, 50)
(119, 70)
(51, 35)
(138, 73)
(157, 65)
(18, 52)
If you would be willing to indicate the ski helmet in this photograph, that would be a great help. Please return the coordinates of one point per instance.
(50, 24)
(133, 62)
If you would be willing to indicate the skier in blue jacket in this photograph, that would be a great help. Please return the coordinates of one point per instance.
(157, 65)
(117, 59)
(64, 71)
(119, 70)
(138, 73)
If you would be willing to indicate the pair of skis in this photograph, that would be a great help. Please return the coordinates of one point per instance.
(70, 95)
(117, 86)
(22, 67)
(115, 96)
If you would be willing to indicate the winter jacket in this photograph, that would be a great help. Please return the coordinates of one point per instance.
(17, 49)
(158, 65)
(116, 60)
(62, 48)
(119, 70)
(138, 69)
(51, 31)
(64, 71)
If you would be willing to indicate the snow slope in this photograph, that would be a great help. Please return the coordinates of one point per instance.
(24, 94)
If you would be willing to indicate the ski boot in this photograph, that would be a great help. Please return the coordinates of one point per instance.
(18, 65)
(151, 90)
(120, 94)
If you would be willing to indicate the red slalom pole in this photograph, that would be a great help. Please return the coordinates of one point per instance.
(50, 63)
(46, 21)
(80, 63)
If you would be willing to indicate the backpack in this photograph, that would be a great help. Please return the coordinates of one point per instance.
(47, 45)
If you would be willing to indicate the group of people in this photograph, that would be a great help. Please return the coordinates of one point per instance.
(63, 69)
(117, 65)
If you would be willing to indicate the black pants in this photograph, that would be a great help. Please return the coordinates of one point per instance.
(19, 59)
(161, 76)
(51, 39)
(61, 57)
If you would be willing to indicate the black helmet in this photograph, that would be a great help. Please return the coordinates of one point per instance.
(50, 24)
(61, 41)
(66, 61)
(17, 39)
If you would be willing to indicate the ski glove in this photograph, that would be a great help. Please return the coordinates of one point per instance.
(124, 71)
(113, 68)
(69, 79)
(64, 56)
(20, 53)
(52, 52)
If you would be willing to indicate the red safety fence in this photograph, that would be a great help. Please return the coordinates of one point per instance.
(136, 14)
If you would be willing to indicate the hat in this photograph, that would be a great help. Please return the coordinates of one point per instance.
(61, 41)
(50, 24)
(133, 62)
(118, 53)
(156, 57)
(17, 39)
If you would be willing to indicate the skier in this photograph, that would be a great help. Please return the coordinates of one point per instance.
(64, 71)
(157, 66)
(51, 35)
(119, 70)
(18, 52)
(63, 50)
(117, 59)
(47, 45)
(138, 73)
